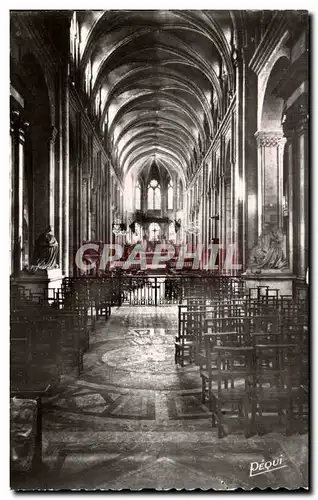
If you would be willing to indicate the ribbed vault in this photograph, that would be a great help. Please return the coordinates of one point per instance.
(153, 78)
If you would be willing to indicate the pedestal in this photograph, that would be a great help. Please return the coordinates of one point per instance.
(282, 281)
(44, 282)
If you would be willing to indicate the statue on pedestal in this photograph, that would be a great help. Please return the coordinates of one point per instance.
(45, 252)
(268, 253)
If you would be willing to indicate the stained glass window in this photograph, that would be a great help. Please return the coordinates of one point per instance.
(154, 195)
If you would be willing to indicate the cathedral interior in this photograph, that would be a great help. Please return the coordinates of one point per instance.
(159, 263)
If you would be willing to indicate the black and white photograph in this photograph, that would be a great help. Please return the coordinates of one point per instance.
(159, 264)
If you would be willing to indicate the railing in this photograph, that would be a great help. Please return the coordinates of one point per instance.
(147, 290)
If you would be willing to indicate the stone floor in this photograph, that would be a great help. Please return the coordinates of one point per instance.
(135, 420)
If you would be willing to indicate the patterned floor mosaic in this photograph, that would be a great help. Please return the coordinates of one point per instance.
(134, 420)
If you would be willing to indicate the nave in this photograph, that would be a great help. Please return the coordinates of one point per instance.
(179, 137)
(134, 419)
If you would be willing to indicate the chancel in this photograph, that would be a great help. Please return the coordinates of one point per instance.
(159, 249)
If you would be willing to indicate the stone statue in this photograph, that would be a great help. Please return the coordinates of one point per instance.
(45, 251)
(268, 253)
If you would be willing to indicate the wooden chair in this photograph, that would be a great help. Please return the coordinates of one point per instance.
(207, 361)
(35, 353)
(277, 382)
(230, 384)
(185, 342)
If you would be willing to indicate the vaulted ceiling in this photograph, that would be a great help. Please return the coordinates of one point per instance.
(156, 74)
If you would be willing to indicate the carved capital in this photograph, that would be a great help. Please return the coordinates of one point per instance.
(270, 139)
(18, 124)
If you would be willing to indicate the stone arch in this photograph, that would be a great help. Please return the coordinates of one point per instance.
(273, 105)
(270, 142)
(270, 107)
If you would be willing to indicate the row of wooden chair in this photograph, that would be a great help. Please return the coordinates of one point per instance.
(252, 350)
(255, 380)
(48, 338)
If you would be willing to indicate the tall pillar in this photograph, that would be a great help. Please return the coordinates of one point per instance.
(289, 158)
(60, 200)
(89, 208)
(66, 170)
(244, 171)
(84, 209)
(238, 155)
(222, 217)
(270, 174)
(78, 174)
(18, 129)
(250, 155)
(111, 208)
(204, 218)
(107, 201)
(302, 165)
(104, 212)
(97, 212)
(89, 188)
(80, 205)
(52, 178)
(232, 239)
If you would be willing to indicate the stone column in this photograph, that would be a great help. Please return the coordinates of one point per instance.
(80, 205)
(97, 212)
(89, 188)
(290, 150)
(66, 171)
(108, 202)
(204, 220)
(52, 138)
(222, 217)
(60, 201)
(88, 208)
(101, 214)
(249, 163)
(84, 217)
(270, 146)
(302, 167)
(18, 129)
(111, 208)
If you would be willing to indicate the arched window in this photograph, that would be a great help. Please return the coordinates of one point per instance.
(74, 38)
(154, 231)
(88, 78)
(170, 195)
(154, 195)
(98, 103)
(138, 197)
